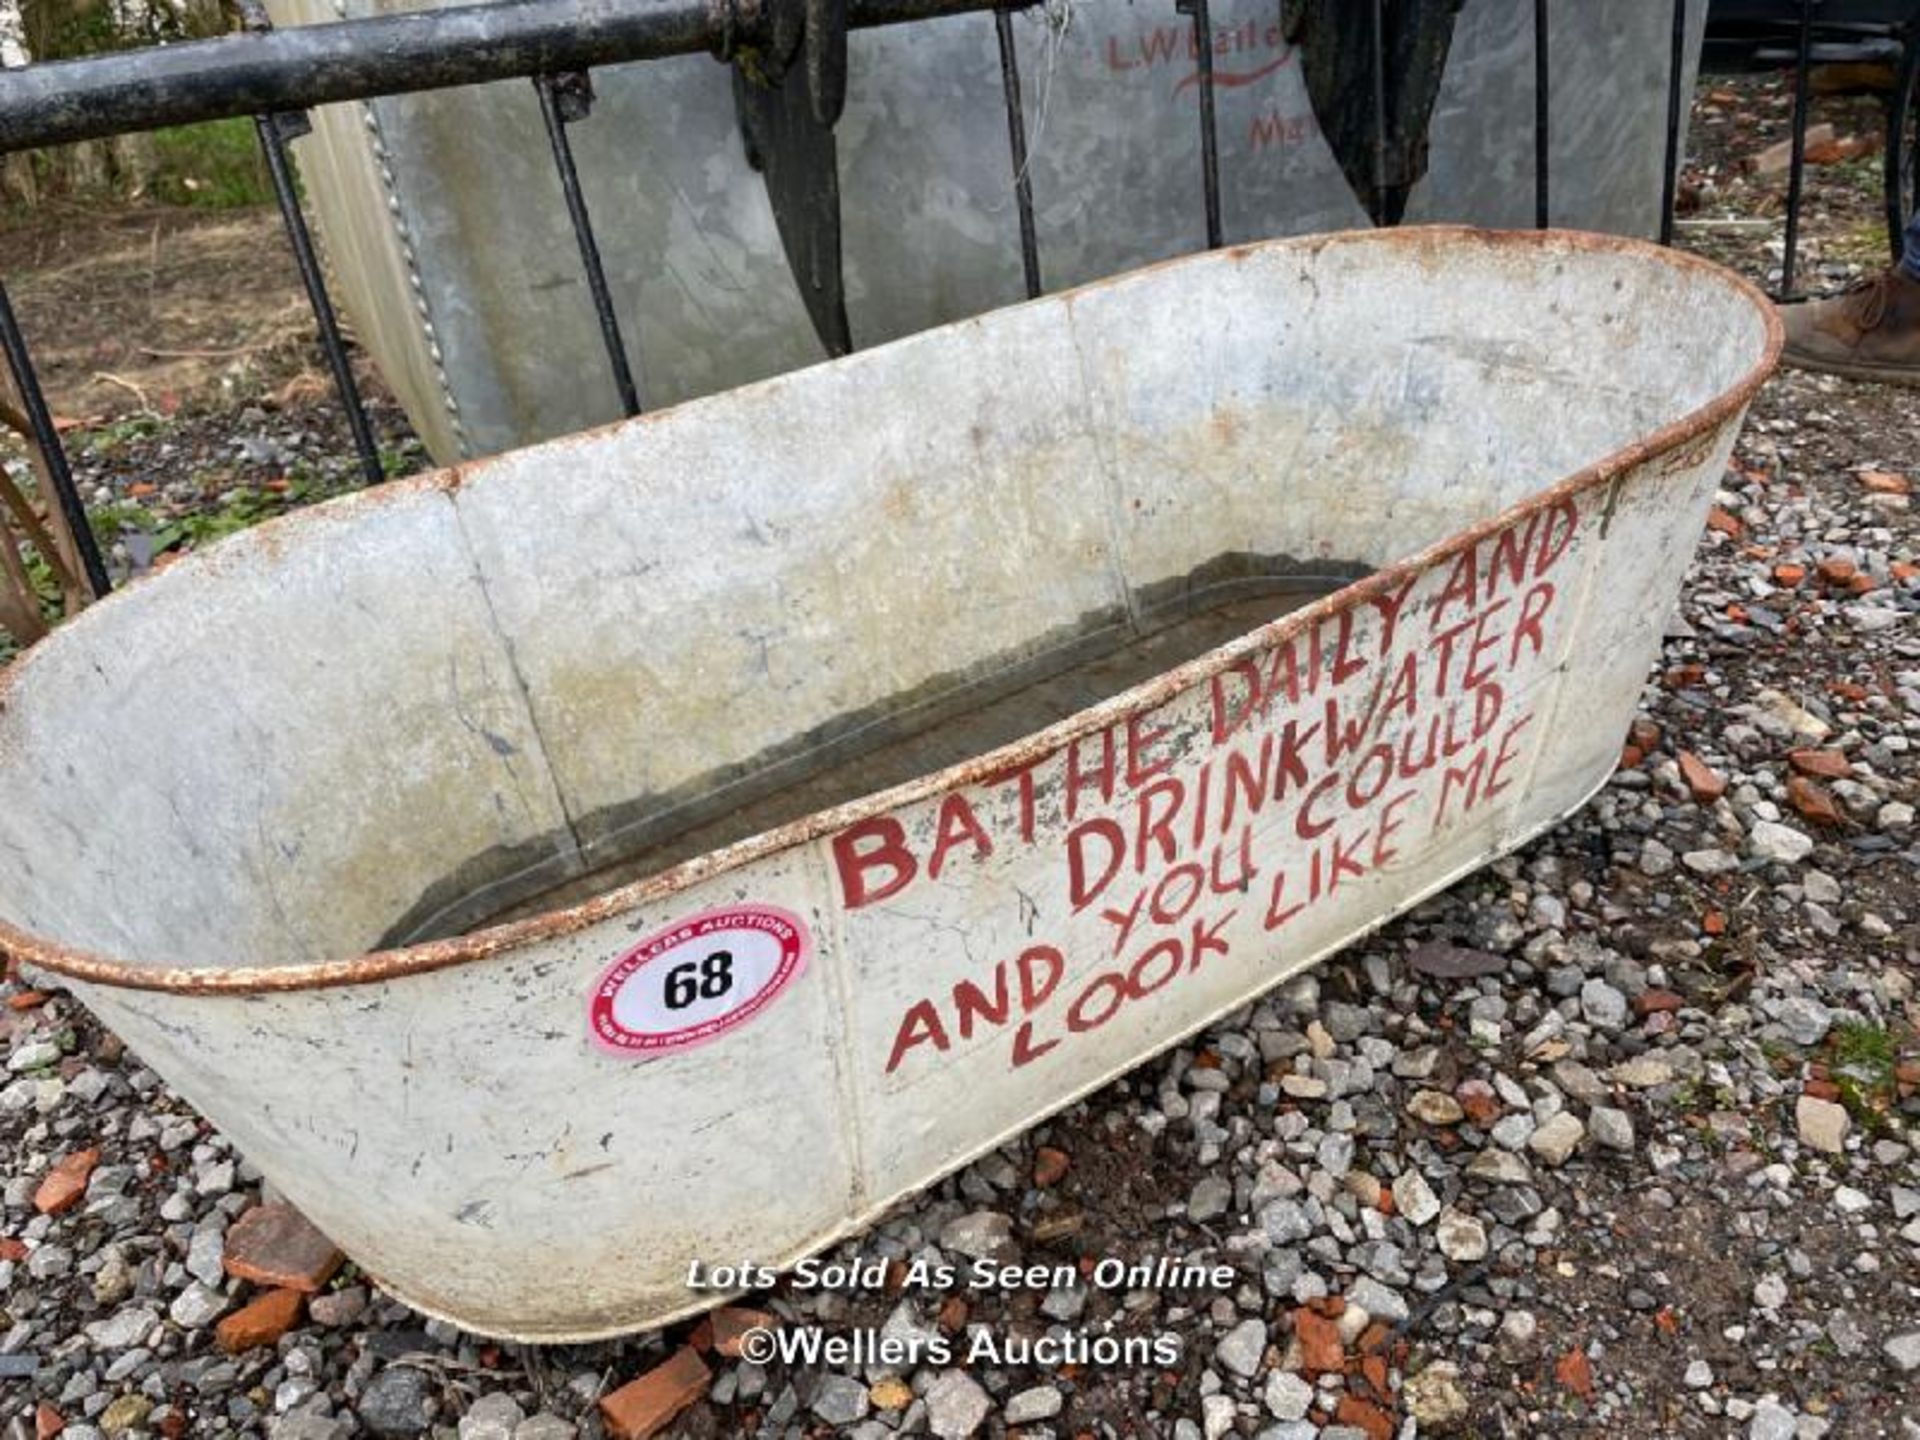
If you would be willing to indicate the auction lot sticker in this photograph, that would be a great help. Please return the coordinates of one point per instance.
(697, 980)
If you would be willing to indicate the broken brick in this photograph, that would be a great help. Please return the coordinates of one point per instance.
(65, 1184)
(1479, 1100)
(1373, 1368)
(1812, 801)
(1049, 1167)
(1837, 570)
(1835, 152)
(644, 1407)
(1827, 764)
(1885, 482)
(27, 1000)
(1777, 158)
(277, 1245)
(1718, 519)
(261, 1322)
(728, 1327)
(1789, 575)
(1655, 1002)
(1682, 677)
(1574, 1371)
(1365, 1415)
(1704, 783)
(47, 1422)
(1644, 734)
(1320, 1350)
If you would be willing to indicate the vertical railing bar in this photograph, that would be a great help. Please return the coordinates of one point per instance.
(1209, 133)
(274, 146)
(1797, 167)
(1906, 92)
(1676, 70)
(1542, 117)
(46, 435)
(1017, 143)
(603, 310)
(1379, 47)
(1912, 93)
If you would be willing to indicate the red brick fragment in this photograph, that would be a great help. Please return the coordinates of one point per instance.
(1366, 1415)
(1718, 519)
(1374, 1369)
(1885, 482)
(1655, 1002)
(1704, 783)
(1827, 764)
(65, 1184)
(1681, 677)
(644, 1407)
(27, 1000)
(277, 1245)
(1645, 734)
(1789, 575)
(1837, 570)
(728, 1327)
(47, 1422)
(1479, 1100)
(1049, 1166)
(1320, 1348)
(1575, 1372)
(261, 1322)
(1812, 801)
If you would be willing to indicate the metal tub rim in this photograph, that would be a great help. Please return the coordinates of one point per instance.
(382, 965)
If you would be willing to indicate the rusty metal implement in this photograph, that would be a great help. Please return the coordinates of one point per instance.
(676, 843)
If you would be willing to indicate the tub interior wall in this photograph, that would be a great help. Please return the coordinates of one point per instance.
(279, 750)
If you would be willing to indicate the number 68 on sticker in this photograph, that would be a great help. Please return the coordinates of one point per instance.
(695, 981)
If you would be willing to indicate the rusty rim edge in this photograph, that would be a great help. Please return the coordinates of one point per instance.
(381, 965)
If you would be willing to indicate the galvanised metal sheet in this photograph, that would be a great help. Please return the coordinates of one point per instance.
(839, 637)
(463, 281)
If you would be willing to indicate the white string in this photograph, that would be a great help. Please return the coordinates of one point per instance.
(1058, 16)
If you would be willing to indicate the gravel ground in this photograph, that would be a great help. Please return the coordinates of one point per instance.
(1616, 1138)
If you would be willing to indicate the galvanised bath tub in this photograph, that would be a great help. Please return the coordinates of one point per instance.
(678, 842)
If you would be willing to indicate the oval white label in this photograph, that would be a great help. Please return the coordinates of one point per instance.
(697, 980)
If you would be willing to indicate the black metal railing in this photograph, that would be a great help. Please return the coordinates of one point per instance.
(276, 76)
